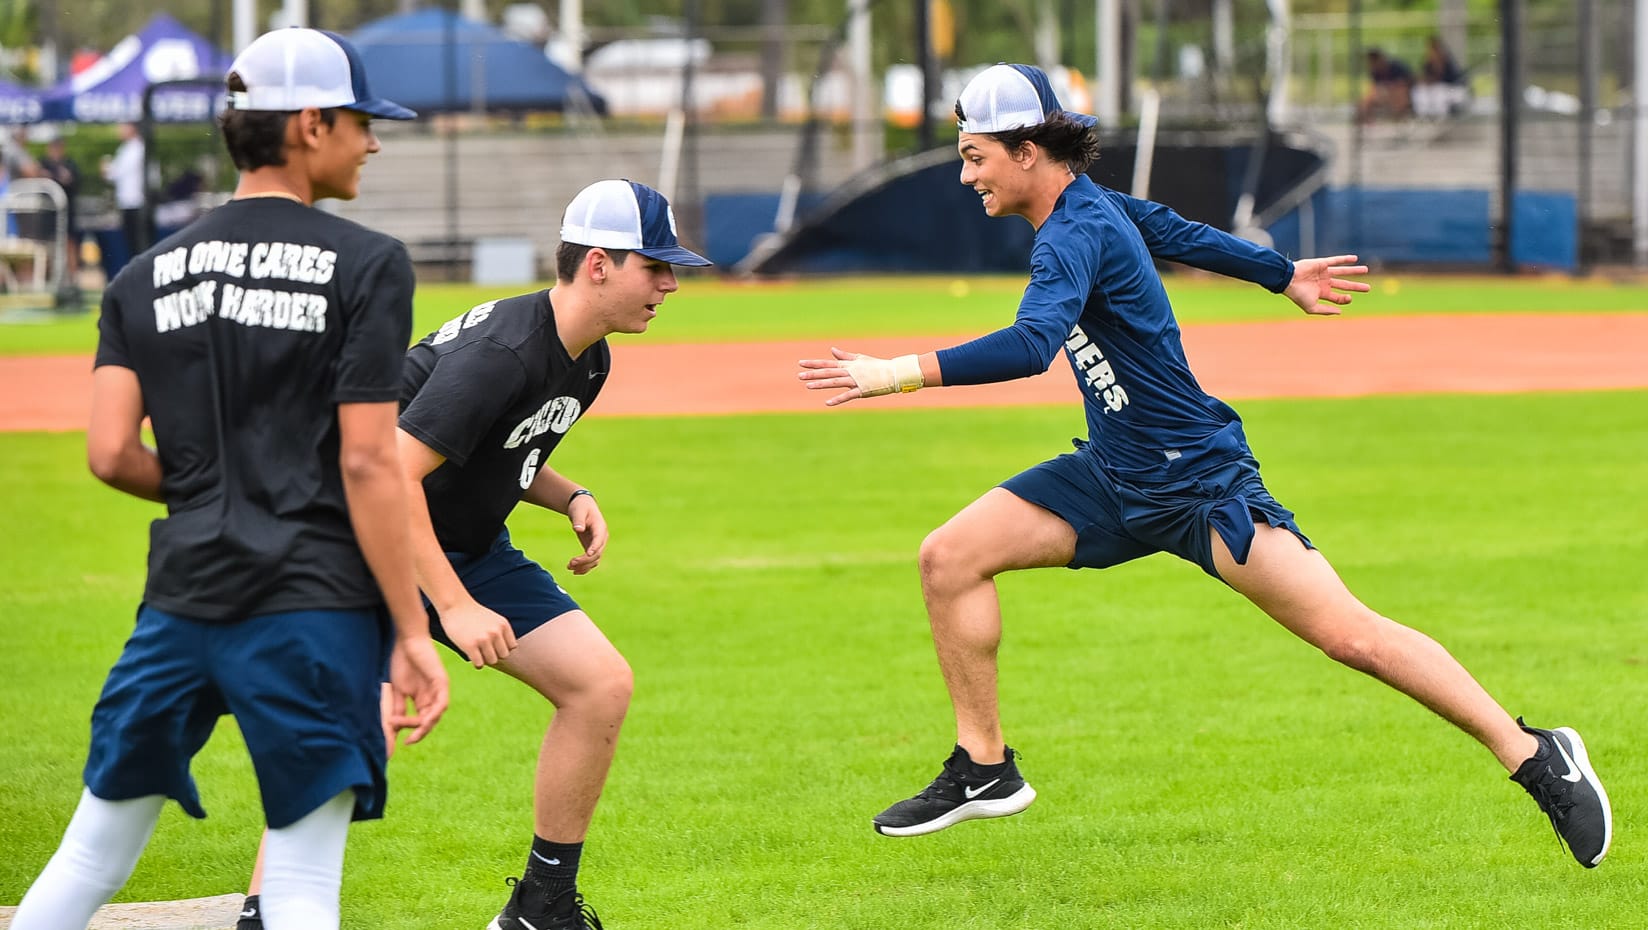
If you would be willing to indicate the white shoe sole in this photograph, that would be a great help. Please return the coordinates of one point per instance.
(971, 810)
(1576, 748)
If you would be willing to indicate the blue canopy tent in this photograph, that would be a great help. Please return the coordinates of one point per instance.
(186, 71)
(437, 61)
(18, 104)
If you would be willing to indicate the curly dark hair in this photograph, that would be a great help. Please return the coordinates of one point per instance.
(1068, 140)
(257, 138)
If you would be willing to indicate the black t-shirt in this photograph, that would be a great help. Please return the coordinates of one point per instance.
(493, 391)
(246, 330)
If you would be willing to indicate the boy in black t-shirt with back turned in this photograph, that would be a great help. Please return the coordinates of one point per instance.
(264, 343)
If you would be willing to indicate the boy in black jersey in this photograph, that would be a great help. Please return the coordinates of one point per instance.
(264, 343)
(485, 400)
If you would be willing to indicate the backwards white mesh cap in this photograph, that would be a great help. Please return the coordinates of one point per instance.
(622, 214)
(1006, 97)
(293, 69)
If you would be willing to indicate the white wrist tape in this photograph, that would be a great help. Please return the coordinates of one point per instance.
(878, 376)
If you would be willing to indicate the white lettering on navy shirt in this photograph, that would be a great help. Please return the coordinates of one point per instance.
(1095, 369)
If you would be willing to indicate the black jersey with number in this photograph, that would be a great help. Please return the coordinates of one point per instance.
(246, 330)
(493, 391)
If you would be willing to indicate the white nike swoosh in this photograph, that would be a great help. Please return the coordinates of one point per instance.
(975, 792)
(541, 858)
(593, 375)
(1573, 774)
(249, 912)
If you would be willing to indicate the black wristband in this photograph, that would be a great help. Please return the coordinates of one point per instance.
(577, 494)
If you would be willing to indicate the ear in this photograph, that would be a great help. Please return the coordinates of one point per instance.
(596, 264)
(303, 130)
(1027, 155)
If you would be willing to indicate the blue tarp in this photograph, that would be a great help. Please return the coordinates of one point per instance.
(407, 61)
(111, 91)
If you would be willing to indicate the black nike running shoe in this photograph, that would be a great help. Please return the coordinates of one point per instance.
(531, 908)
(960, 792)
(1561, 779)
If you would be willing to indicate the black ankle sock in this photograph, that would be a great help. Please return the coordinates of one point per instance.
(251, 914)
(554, 864)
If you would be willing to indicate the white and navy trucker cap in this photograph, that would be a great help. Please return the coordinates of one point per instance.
(622, 214)
(1006, 97)
(294, 69)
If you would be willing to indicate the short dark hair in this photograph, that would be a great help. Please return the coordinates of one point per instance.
(1067, 140)
(569, 255)
(257, 138)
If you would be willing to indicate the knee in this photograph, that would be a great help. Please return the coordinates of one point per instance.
(1359, 645)
(615, 687)
(601, 690)
(944, 563)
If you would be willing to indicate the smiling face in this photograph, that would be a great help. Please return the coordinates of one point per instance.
(1000, 180)
(341, 150)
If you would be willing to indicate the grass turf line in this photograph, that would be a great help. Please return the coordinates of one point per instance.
(710, 310)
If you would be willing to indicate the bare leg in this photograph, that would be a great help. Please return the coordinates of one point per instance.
(999, 532)
(571, 663)
(1299, 589)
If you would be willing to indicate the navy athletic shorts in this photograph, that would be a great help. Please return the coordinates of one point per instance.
(1117, 520)
(303, 686)
(508, 583)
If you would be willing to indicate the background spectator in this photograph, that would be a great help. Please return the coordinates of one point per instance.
(1441, 90)
(125, 172)
(58, 166)
(1391, 89)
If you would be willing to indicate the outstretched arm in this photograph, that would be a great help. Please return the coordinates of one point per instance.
(1172, 237)
(1316, 280)
(855, 375)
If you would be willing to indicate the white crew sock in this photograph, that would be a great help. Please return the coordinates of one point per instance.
(99, 850)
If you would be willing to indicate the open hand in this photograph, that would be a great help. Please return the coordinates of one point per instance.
(1320, 286)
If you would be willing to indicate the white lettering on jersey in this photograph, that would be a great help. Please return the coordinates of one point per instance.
(1096, 370)
(169, 267)
(294, 312)
(529, 468)
(184, 308)
(558, 415)
(475, 315)
(292, 262)
(218, 256)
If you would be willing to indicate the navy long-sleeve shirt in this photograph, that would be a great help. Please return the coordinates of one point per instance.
(1095, 294)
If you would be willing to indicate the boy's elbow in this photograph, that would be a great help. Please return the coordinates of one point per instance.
(105, 462)
(364, 463)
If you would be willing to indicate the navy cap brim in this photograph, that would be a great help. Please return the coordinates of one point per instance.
(676, 255)
(382, 109)
(1085, 119)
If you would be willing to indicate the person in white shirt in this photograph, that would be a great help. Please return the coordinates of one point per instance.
(125, 172)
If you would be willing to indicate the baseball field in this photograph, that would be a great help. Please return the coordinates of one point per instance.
(1468, 452)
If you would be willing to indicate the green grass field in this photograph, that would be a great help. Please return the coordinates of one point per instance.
(1197, 767)
(711, 310)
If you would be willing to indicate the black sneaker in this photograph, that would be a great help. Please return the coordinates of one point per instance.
(531, 908)
(1561, 779)
(251, 915)
(958, 793)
